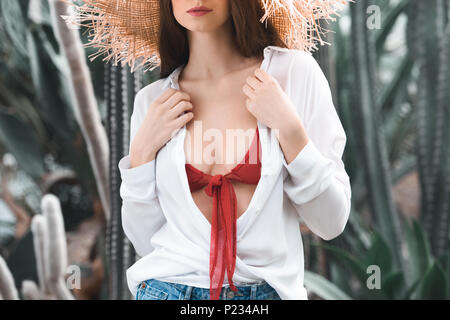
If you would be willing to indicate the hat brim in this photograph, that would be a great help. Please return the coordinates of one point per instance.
(127, 31)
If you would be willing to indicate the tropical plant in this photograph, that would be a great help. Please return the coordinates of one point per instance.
(371, 274)
(394, 103)
(50, 249)
(391, 90)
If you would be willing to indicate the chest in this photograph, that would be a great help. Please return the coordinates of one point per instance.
(222, 130)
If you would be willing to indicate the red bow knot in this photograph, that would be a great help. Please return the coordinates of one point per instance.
(216, 181)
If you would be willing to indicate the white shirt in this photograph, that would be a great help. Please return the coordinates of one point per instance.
(171, 234)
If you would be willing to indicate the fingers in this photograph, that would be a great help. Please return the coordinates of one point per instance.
(176, 98)
(249, 91)
(183, 119)
(179, 109)
(261, 75)
(177, 106)
(165, 95)
(253, 82)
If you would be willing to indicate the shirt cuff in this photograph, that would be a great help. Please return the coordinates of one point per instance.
(309, 162)
(144, 173)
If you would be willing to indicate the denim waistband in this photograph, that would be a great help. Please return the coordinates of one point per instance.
(225, 285)
(246, 284)
(254, 290)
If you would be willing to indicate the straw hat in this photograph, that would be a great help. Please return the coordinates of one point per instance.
(127, 30)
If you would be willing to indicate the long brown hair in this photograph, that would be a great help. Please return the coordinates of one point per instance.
(250, 35)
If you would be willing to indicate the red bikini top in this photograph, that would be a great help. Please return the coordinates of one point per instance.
(219, 187)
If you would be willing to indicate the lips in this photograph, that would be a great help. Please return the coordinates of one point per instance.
(199, 9)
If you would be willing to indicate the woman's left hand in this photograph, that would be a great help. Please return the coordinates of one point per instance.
(267, 101)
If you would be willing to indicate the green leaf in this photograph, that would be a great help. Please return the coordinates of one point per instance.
(323, 288)
(358, 268)
(379, 254)
(411, 290)
(419, 250)
(393, 285)
(447, 273)
(433, 285)
(339, 277)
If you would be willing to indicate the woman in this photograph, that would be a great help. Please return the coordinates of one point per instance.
(211, 221)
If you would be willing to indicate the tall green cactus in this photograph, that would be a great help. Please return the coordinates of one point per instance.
(442, 214)
(120, 97)
(429, 44)
(368, 123)
(116, 113)
(120, 89)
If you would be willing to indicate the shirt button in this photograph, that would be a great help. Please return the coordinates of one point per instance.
(230, 294)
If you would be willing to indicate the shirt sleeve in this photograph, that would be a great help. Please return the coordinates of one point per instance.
(141, 212)
(317, 183)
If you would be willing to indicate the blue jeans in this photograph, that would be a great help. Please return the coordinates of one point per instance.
(153, 289)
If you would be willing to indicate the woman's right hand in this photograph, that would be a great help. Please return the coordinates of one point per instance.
(162, 121)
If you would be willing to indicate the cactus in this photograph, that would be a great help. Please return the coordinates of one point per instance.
(119, 249)
(30, 290)
(39, 229)
(56, 247)
(85, 104)
(428, 40)
(8, 290)
(61, 82)
(371, 137)
(51, 252)
(442, 216)
(51, 258)
(120, 88)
